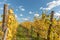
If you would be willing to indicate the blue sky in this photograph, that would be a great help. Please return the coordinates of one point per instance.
(25, 10)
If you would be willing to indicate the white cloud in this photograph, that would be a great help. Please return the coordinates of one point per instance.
(57, 15)
(21, 14)
(41, 7)
(16, 16)
(1, 8)
(44, 8)
(36, 15)
(59, 11)
(21, 8)
(30, 12)
(25, 19)
(51, 5)
(8, 4)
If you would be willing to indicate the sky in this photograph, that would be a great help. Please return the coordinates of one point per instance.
(26, 10)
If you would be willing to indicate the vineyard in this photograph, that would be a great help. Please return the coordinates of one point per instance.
(45, 27)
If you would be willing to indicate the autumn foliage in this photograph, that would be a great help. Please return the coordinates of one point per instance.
(35, 30)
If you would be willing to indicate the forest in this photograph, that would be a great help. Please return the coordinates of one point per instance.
(44, 27)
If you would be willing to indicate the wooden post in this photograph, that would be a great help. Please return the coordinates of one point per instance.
(49, 30)
(5, 11)
(37, 36)
(4, 22)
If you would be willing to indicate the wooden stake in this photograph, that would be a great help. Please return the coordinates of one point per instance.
(4, 22)
(49, 30)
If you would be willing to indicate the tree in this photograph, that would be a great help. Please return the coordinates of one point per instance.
(12, 25)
